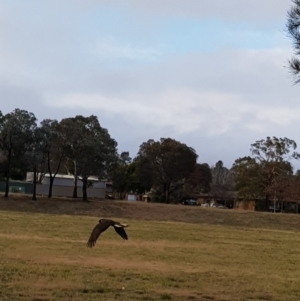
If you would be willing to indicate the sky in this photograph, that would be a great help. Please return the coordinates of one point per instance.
(211, 74)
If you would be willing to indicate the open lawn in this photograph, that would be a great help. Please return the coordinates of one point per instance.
(44, 256)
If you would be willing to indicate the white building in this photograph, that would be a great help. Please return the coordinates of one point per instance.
(65, 180)
(63, 185)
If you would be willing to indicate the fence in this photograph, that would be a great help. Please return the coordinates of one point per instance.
(17, 187)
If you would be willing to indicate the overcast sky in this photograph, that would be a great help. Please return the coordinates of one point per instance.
(211, 74)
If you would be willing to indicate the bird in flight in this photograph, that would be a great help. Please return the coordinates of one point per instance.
(103, 225)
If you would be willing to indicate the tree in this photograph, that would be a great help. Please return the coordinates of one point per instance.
(53, 147)
(89, 148)
(168, 162)
(274, 150)
(121, 174)
(247, 178)
(2, 164)
(36, 156)
(124, 158)
(292, 190)
(132, 177)
(128, 177)
(264, 174)
(293, 25)
(199, 181)
(71, 135)
(278, 191)
(221, 184)
(273, 154)
(16, 130)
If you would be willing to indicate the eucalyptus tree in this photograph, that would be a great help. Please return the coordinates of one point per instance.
(201, 178)
(198, 182)
(263, 175)
(222, 182)
(121, 176)
(16, 137)
(54, 149)
(89, 148)
(35, 156)
(168, 163)
(247, 178)
(71, 135)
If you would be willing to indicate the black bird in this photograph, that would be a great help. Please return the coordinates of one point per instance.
(102, 226)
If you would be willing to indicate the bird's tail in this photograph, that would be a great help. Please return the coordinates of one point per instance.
(121, 225)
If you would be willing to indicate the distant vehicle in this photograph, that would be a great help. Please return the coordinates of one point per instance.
(110, 197)
(271, 209)
(189, 203)
(222, 207)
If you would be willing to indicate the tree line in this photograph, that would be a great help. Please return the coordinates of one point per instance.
(80, 146)
(76, 145)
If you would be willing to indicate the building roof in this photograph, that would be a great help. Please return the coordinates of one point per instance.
(69, 176)
(91, 178)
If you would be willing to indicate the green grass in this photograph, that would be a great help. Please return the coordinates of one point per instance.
(44, 257)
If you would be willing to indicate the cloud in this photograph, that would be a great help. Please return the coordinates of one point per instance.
(183, 112)
(178, 110)
(229, 10)
(108, 48)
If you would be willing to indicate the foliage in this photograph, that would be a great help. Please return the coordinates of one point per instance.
(268, 172)
(36, 155)
(169, 163)
(247, 178)
(121, 174)
(293, 26)
(129, 177)
(54, 149)
(201, 178)
(16, 136)
(198, 182)
(222, 182)
(274, 150)
(89, 148)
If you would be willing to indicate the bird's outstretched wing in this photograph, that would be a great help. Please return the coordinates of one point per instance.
(98, 229)
(120, 230)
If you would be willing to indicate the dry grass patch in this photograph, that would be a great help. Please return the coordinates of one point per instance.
(150, 211)
(44, 257)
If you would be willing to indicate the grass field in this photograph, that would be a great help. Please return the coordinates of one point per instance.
(44, 256)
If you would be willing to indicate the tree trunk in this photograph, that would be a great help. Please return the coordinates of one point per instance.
(266, 203)
(75, 181)
(84, 189)
(7, 184)
(50, 187)
(34, 184)
(53, 177)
